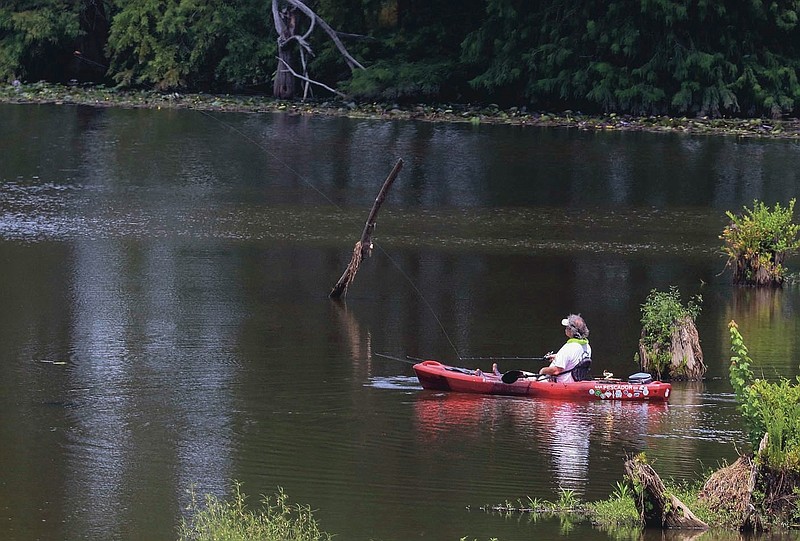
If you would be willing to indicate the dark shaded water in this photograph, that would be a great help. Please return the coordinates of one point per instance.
(165, 318)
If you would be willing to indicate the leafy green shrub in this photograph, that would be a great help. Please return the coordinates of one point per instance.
(758, 241)
(771, 408)
(176, 45)
(662, 314)
(218, 520)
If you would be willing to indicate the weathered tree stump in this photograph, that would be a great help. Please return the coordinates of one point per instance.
(685, 352)
(758, 495)
(687, 356)
(658, 508)
(729, 490)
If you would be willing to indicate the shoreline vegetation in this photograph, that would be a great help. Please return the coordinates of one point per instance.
(102, 96)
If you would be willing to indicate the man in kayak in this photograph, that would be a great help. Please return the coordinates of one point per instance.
(573, 352)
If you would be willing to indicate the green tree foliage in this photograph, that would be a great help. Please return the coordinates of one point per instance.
(32, 35)
(642, 56)
(412, 48)
(688, 57)
(190, 43)
(757, 242)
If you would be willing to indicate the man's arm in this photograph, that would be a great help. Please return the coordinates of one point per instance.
(552, 370)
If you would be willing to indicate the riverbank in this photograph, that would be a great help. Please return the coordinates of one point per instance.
(99, 96)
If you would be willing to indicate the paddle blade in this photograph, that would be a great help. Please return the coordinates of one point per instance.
(512, 375)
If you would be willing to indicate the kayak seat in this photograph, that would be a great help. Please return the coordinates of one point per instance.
(581, 371)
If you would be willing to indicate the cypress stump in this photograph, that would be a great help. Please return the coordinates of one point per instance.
(684, 350)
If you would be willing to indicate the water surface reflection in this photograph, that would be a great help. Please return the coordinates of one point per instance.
(166, 320)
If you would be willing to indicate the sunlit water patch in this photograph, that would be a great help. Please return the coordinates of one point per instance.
(38, 210)
(399, 383)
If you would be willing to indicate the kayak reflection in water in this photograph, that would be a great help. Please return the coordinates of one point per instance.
(563, 364)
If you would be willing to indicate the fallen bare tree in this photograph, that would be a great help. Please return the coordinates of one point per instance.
(287, 25)
(657, 507)
(363, 247)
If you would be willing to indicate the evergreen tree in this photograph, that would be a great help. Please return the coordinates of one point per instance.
(641, 56)
(36, 38)
(172, 44)
(678, 57)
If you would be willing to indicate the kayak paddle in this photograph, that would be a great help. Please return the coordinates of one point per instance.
(513, 375)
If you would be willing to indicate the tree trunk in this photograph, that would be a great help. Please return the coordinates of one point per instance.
(751, 271)
(686, 355)
(289, 41)
(657, 508)
(285, 24)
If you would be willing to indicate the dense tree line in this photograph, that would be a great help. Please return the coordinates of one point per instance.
(687, 57)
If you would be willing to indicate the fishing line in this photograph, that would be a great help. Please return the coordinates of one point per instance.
(329, 200)
(421, 296)
(273, 156)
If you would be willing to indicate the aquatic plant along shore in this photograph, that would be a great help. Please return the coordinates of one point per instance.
(102, 96)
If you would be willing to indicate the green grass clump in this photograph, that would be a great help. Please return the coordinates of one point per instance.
(213, 519)
(689, 494)
(618, 510)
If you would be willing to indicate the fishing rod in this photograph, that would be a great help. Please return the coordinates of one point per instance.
(414, 360)
(79, 56)
(503, 358)
(408, 359)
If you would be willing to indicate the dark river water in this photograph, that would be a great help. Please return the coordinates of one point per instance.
(165, 321)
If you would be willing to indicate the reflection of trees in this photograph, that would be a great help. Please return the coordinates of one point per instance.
(464, 166)
(768, 320)
(150, 359)
(151, 351)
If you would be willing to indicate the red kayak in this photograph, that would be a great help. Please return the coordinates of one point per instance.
(441, 377)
